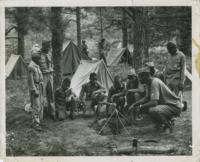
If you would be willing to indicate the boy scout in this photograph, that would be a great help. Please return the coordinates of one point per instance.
(46, 66)
(35, 82)
(175, 70)
(163, 104)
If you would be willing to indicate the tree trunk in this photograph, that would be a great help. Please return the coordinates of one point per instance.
(21, 18)
(20, 46)
(185, 38)
(140, 40)
(57, 41)
(78, 23)
(101, 23)
(124, 29)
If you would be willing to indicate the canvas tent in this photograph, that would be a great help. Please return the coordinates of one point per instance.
(83, 72)
(119, 55)
(71, 59)
(16, 68)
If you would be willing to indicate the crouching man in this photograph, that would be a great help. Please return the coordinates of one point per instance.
(65, 100)
(163, 104)
(117, 94)
(35, 83)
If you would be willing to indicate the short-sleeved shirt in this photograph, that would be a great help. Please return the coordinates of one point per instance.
(34, 69)
(160, 92)
(45, 63)
(131, 84)
(175, 68)
(60, 97)
(89, 88)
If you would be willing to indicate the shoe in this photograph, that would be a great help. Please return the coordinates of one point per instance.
(71, 117)
(168, 127)
(37, 127)
(185, 106)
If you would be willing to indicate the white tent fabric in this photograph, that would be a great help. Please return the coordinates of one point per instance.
(82, 74)
(12, 63)
(114, 56)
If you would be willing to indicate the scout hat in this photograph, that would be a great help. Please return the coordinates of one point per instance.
(149, 64)
(144, 70)
(35, 51)
(132, 72)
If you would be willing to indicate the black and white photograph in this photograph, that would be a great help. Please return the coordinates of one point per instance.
(98, 81)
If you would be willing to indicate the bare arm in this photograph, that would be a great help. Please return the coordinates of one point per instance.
(82, 94)
(134, 90)
(144, 99)
(31, 81)
(101, 89)
(150, 103)
(183, 66)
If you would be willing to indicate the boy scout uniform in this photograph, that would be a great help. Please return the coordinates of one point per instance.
(35, 82)
(88, 89)
(46, 67)
(175, 71)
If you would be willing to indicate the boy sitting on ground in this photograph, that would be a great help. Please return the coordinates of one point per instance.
(65, 99)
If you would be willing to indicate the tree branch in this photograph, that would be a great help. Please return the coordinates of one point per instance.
(130, 14)
(11, 37)
(10, 29)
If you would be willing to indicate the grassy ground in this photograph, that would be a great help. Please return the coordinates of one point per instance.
(69, 138)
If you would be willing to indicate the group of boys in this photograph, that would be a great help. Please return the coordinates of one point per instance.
(153, 92)
(147, 91)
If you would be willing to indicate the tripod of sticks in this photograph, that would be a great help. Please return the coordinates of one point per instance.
(117, 114)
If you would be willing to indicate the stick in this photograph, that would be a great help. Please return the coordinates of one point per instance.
(145, 150)
(106, 122)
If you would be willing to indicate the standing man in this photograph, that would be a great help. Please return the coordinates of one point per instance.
(163, 104)
(103, 50)
(84, 47)
(175, 70)
(35, 82)
(46, 66)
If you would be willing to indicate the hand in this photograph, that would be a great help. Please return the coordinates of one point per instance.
(181, 86)
(93, 95)
(68, 92)
(112, 98)
(131, 107)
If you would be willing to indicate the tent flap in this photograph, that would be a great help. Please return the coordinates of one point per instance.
(71, 59)
(16, 65)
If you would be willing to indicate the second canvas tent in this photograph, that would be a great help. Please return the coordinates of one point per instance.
(71, 58)
(83, 72)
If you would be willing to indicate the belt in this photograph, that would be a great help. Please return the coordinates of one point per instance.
(38, 83)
